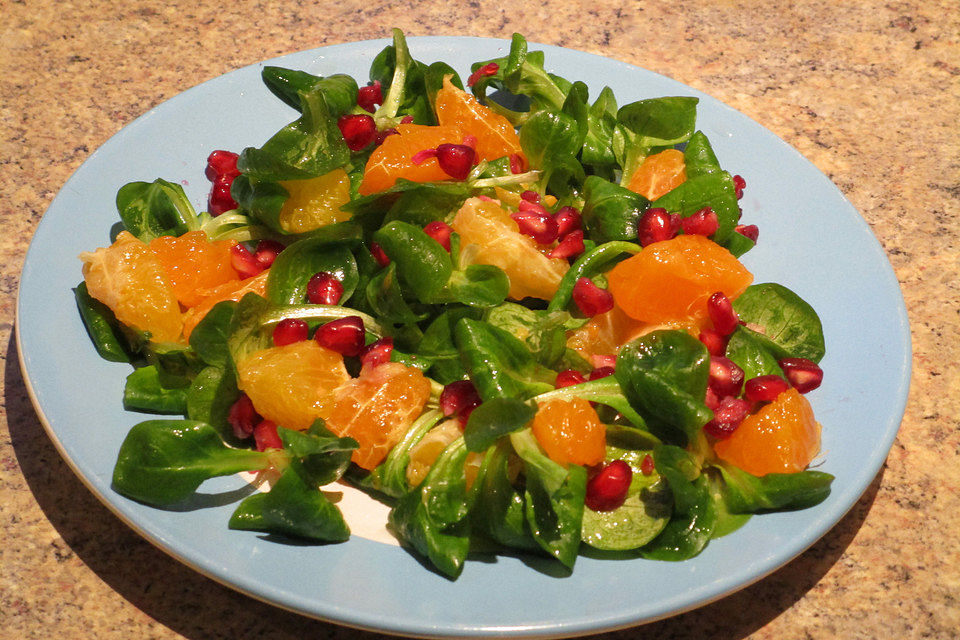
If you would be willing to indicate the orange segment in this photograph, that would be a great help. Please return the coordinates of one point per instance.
(570, 431)
(782, 437)
(130, 280)
(292, 385)
(495, 136)
(393, 158)
(377, 408)
(233, 290)
(489, 236)
(604, 333)
(192, 263)
(671, 281)
(315, 202)
(660, 173)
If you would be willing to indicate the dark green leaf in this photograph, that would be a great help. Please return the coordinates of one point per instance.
(153, 209)
(493, 419)
(296, 264)
(144, 392)
(746, 493)
(102, 326)
(789, 326)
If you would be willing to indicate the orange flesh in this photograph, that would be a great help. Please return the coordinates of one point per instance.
(495, 136)
(570, 432)
(193, 264)
(659, 174)
(393, 159)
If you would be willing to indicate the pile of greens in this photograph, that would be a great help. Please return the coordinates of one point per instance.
(454, 324)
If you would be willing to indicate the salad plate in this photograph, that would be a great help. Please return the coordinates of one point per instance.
(812, 240)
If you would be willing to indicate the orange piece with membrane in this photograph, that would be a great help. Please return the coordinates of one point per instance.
(377, 408)
(605, 333)
(129, 278)
(315, 202)
(669, 282)
(782, 437)
(570, 432)
(495, 136)
(292, 385)
(233, 290)
(394, 158)
(193, 263)
(489, 236)
(659, 174)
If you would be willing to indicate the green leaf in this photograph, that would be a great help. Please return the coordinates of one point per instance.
(787, 325)
(746, 493)
(498, 364)
(102, 326)
(749, 351)
(209, 338)
(714, 190)
(499, 510)
(493, 419)
(610, 212)
(153, 209)
(594, 261)
(297, 263)
(145, 392)
(423, 265)
(210, 396)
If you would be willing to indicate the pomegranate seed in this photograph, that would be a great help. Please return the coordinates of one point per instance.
(423, 155)
(376, 353)
(530, 196)
(267, 251)
(590, 299)
(379, 254)
(439, 231)
(358, 130)
(739, 184)
(764, 388)
(608, 488)
(469, 140)
(220, 199)
(749, 230)
(727, 417)
(656, 225)
(568, 220)
(702, 223)
(804, 375)
(406, 120)
(383, 135)
(517, 164)
(324, 288)
(243, 417)
(370, 96)
(715, 342)
(711, 399)
(570, 246)
(489, 69)
(602, 372)
(266, 436)
(647, 465)
(290, 330)
(343, 335)
(726, 377)
(539, 226)
(243, 262)
(220, 163)
(459, 398)
(456, 160)
(568, 378)
(721, 313)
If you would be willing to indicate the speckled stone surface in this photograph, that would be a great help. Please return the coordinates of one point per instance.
(868, 91)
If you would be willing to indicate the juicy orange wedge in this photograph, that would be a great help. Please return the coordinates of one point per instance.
(232, 290)
(315, 202)
(394, 158)
(193, 263)
(659, 174)
(570, 432)
(495, 136)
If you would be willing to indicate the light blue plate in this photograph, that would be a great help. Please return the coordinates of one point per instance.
(811, 239)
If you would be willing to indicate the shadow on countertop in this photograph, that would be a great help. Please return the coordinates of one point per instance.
(167, 590)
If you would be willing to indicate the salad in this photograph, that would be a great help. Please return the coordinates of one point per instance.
(516, 315)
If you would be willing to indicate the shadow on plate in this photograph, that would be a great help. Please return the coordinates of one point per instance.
(197, 607)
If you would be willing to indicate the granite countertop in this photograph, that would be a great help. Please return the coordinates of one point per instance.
(867, 91)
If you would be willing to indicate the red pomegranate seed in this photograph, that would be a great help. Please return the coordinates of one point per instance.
(608, 488)
(383, 135)
(243, 262)
(715, 342)
(721, 313)
(266, 436)
(568, 220)
(343, 335)
(220, 199)
(764, 388)
(243, 417)
(290, 330)
(376, 353)
(456, 160)
(727, 417)
(423, 155)
(221, 162)
(568, 378)
(590, 299)
(571, 245)
(439, 231)
(702, 223)
(370, 96)
(726, 377)
(406, 120)
(749, 230)
(379, 254)
(656, 225)
(711, 399)
(266, 252)
(602, 372)
(489, 69)
(530, 196)
(804, 375)
(458, 399)
(647, 465)
(324, 288)
(358, 130)
(517, 163)
(739, 184)
(539, 226)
